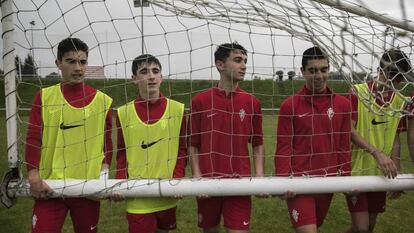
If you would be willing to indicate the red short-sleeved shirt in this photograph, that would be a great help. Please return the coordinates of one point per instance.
(221, 127)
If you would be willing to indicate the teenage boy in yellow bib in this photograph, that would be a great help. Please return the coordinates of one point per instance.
(68, 137)
(151, 145)
(378, 124)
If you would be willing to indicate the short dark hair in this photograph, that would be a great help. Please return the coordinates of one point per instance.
(223, 51)
(144, 58)
(395, 62)
(71, 44)
(313, 53)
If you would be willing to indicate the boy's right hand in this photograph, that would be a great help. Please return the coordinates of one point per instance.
(38, 188)
(386, 164)
(287, 195)
(117, 197)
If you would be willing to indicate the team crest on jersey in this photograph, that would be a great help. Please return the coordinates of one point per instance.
(330, 113)
(354, 200)
(295, 215)
(34, 221)
(242, 114)
(200, 218)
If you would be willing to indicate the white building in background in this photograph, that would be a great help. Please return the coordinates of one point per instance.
(95, 72)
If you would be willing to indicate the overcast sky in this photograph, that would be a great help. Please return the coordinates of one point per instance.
(186, 44)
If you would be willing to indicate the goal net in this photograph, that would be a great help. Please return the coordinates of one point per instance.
(183, 35)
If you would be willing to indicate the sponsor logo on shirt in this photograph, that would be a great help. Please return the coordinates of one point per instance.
(242, 114)
(330, 113)
(93, 228)
(374, 122)
(65, 127)
(295, 215)
(148, 145)
(304, 114)
(245, 223)
(211, 114)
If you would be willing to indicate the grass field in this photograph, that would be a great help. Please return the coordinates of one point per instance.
(269, 215)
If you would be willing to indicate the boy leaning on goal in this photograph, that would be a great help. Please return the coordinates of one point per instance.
(378, 125)
(69, 137)
(223, 121)
(151, 145)
(313, 139)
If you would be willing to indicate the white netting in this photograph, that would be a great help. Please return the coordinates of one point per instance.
(184, 35)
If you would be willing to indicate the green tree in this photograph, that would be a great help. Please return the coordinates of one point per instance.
(29, 68)
(18, 65)
(53, 75)
(291, 75)
(279, 74)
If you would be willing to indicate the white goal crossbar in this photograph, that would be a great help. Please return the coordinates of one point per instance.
(218, 187)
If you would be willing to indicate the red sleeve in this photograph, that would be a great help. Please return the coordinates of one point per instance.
(284, 139)
(257, 137)
(344, 152)
(121, 162)
(179, 170)
(34, 134)
(354, 105)
(194, 125)
(108, 138)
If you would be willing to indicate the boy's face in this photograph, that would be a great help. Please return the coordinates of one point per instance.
(73, 66)
(316, 74)
(389, 79)
(234, 67)
(148, 78)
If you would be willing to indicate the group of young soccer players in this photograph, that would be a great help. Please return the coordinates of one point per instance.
(69, 137)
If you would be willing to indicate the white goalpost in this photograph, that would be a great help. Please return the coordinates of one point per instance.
(218, 187)
(184, 35)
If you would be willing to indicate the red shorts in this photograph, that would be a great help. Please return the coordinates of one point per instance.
(150, 222)
(372, 202)
(308, 209)
(49, 215)
(236, 212)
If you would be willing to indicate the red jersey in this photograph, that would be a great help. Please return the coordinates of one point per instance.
(221, 127)
(313, 135)
(78, 95)
(150, 113)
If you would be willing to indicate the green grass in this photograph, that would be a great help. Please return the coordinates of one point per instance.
(269, 215)
(270, 93)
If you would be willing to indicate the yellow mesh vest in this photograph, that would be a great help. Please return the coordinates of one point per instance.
(73, 138)
(378, 130)
(151, 150)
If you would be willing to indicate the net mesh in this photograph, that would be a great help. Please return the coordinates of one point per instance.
(183, 35)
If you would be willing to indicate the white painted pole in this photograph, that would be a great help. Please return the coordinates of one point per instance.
(9, 81)
(219, 187)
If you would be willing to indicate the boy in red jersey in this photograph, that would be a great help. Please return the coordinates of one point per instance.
(151, 144)
(69, 137)
(223, 121)
(313, 139)
(381, 131)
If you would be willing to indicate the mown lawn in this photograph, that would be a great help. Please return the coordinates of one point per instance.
(269, 215)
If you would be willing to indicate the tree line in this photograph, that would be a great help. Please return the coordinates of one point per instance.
(27, 68)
